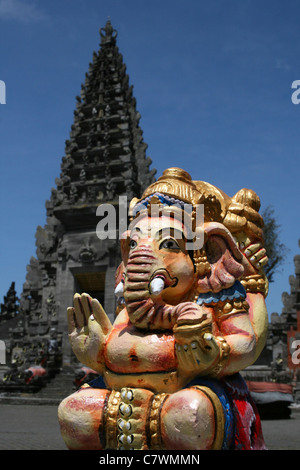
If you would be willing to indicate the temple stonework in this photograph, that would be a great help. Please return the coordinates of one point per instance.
(105, 157)
(279, 362)
(284, 331)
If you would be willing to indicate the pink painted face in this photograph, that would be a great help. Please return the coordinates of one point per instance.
(165, 239)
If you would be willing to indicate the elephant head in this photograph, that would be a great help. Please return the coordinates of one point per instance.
(161, 271)
(161, 275)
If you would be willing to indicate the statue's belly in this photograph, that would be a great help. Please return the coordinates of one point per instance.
(129, 350)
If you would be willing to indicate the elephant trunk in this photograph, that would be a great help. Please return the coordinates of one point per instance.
(142, 291)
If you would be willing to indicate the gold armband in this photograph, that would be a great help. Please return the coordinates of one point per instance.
(256, 283)
(224, 355)
(230, 307)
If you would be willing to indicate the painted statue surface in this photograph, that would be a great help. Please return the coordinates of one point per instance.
(191, 315)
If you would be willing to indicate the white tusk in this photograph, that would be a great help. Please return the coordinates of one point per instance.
(157, 285)
(119, 289)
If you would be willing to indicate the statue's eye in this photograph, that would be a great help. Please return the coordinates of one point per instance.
(169, 244)
(132, 244)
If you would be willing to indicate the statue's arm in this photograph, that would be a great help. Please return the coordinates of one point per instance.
(244, 324)
(238, 334)
(226, 342)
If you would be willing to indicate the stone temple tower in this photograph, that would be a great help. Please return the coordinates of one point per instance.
(105, 157)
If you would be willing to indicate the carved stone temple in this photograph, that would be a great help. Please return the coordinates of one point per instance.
(279, 363)
(105, 157)
(284, 330)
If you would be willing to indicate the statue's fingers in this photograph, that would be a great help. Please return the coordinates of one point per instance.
(210, 342)
(190, 354)
(181, 353)
(262, 262)
(100, 316)
(79, 311)
(87, 309)
(252, 248)
(244, 243)
(72, 324)
(258, 255)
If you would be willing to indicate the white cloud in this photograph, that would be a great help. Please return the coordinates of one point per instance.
(20, 10)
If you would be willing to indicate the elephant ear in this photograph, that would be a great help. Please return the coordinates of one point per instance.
(224, 258)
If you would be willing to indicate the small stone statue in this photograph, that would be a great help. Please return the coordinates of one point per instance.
(190, 316)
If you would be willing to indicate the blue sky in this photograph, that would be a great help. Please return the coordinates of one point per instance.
(212, 82)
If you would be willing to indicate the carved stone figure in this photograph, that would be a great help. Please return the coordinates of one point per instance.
(191, 316)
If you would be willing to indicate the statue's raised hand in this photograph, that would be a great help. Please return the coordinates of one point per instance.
(255, 255)
(88, 327)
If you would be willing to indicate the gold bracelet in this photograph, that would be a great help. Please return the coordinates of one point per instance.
(230, 307)
(256, 283)
(224, 355)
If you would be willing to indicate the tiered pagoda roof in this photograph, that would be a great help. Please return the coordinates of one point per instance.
(105, 155)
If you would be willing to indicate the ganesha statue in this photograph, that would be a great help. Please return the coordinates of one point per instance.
(191, 315)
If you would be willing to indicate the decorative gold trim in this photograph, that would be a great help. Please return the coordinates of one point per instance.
(231, 307)
(131, 423)
(201, 263)
(224, 355)
(111, 419)
(256, 283)
(219, 416)
(154, 421)
(127, 438)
